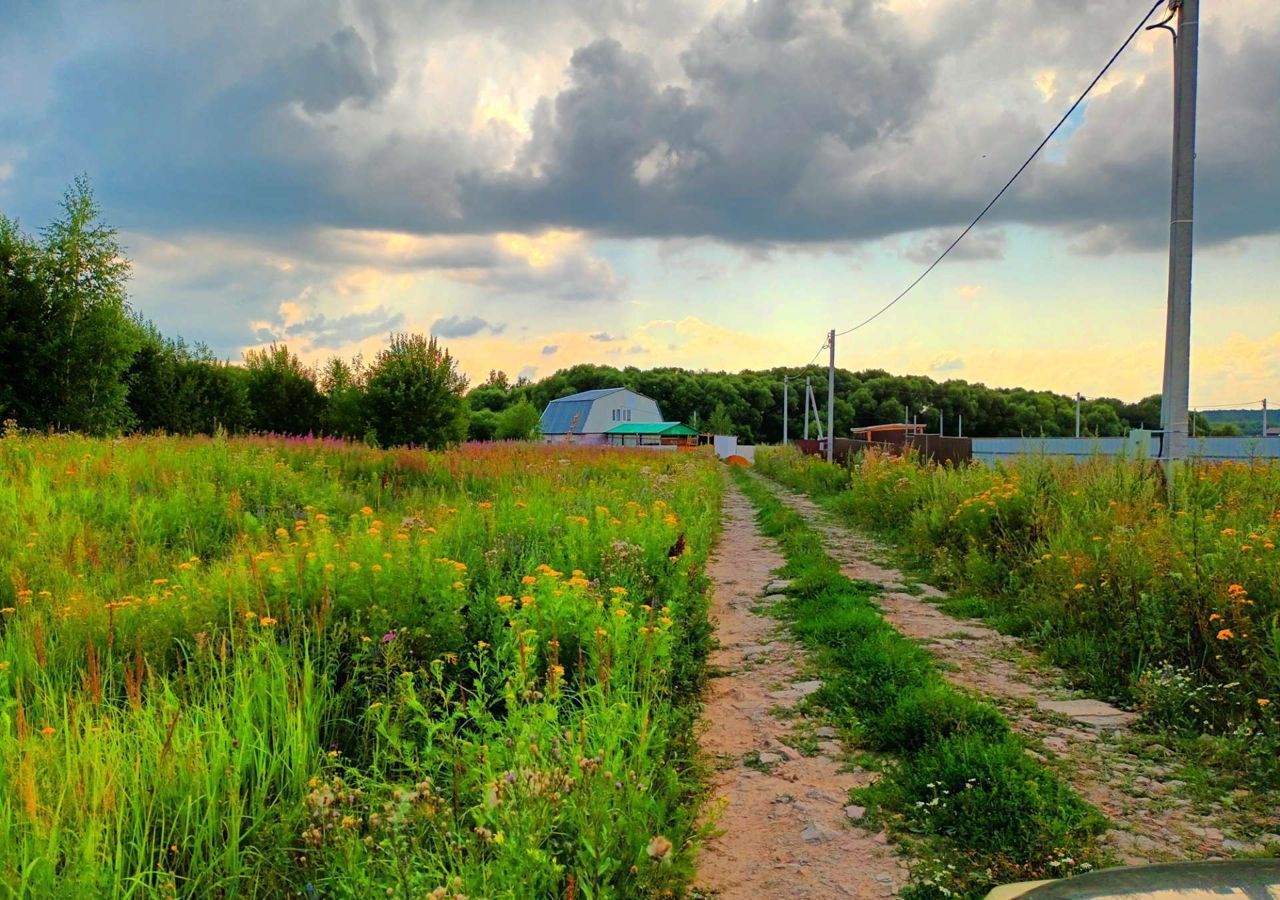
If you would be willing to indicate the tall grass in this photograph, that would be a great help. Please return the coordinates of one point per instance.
(262, 667)
(1174, 607)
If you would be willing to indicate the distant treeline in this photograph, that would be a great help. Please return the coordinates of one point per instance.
(73, 356)
(1243, 421)
(752, 401)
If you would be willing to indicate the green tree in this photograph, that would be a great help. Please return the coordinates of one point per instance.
(518, 422)
(414, 394)
(719, 421)
(342, 385)
(482, 425)
(283, 395)
(24, 389)
(65, 327)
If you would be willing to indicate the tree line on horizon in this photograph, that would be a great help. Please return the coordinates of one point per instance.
(75, 357)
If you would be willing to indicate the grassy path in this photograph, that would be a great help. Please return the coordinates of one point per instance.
(1129, 776)
(784, 829)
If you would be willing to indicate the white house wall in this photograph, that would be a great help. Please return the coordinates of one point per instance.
(600, 418)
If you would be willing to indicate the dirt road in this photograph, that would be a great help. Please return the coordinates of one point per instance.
(786, 827)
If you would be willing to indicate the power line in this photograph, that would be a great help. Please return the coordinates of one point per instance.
(1010, 182)
(1241, 405)
(816, 355)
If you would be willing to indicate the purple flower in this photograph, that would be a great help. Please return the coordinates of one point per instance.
(388, 637)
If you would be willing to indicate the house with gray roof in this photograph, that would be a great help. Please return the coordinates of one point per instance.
(587, 417)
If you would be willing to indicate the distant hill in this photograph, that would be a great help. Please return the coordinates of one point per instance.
(1249, 421)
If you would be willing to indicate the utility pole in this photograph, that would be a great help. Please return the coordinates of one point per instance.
(1077, 414)
(1175, 397)
(817, 416)
(831, 398)
(808, 391)
(1264, 416)
(960, 425)
(942, 423)
(785, 409)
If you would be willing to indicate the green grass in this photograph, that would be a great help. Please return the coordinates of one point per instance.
(958, 783)
(1171, 606)
(265, 668)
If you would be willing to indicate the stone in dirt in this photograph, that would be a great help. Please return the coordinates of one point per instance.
(815, 832)
(798, 691)
(767, 758)
(856, 813)
(1089, 712)
(1056, 744)
(826, 731)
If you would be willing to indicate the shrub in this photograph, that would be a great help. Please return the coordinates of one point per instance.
(990, 797)
(928, 713)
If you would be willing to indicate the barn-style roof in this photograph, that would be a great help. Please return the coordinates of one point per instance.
(558, 417)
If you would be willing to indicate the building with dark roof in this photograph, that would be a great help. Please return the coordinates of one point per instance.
(587, 417)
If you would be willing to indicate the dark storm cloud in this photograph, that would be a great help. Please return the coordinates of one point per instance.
(977, 246)
(786, 121)
(323, 331)
(458, 327)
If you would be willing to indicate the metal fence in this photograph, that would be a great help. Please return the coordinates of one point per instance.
(1138, 444)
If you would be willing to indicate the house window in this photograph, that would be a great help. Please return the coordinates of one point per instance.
(628, 415)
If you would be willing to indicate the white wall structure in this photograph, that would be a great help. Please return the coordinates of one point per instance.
(1138, 445)
(727, 445)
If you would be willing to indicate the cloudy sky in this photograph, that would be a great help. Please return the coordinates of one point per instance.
(704, 183)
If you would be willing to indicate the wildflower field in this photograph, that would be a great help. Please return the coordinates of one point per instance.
(1171, 607)
(262, 668)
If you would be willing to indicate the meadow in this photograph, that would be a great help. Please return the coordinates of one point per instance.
(261, 667)
(1170, 606)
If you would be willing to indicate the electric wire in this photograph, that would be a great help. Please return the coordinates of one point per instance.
(1009, 183)
(1244, 404)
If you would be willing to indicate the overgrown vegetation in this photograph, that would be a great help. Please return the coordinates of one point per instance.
(959, 783)
(1174, 610)
(265, 668)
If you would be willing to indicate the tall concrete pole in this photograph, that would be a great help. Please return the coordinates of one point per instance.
(1077, 414)
(808, 390)
(785, 409)
(1264, 417)
(1176, 396)
(960, 425)
(831, 398)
